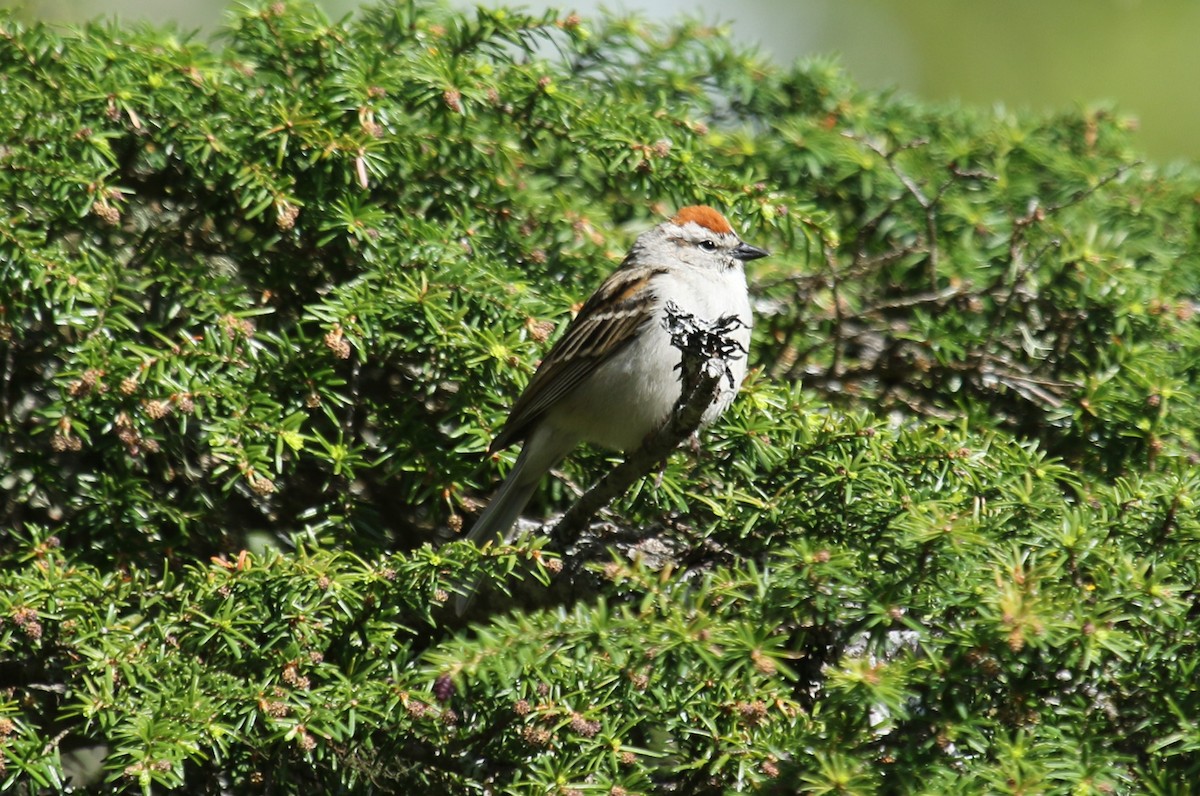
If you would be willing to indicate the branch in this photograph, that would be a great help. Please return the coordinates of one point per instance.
(706, 349)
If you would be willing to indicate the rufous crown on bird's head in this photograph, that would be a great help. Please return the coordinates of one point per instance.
(703, 216)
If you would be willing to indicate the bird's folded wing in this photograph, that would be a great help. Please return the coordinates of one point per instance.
(608, 322)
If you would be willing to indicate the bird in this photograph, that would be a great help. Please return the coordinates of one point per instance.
(613, 377)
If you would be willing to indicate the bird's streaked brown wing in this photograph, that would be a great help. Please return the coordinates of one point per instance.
(606, 324)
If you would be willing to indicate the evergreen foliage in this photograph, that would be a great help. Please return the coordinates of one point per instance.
(263, 304)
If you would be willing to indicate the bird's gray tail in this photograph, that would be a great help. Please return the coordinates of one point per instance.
(544, 448)
(497, 522)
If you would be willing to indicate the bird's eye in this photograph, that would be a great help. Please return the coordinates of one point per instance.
(708, 245)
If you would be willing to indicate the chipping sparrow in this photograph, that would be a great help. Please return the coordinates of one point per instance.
(612, 378)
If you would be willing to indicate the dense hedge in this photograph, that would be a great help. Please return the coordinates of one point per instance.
(263, 304)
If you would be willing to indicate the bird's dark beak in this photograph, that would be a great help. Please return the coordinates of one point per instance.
(745, 252)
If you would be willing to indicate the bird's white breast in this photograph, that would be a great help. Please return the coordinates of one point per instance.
(634, 392)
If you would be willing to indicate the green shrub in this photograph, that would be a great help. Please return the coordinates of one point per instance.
(263, 306)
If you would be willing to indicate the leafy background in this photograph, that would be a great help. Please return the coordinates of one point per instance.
(265, 304)
(1026, 54)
